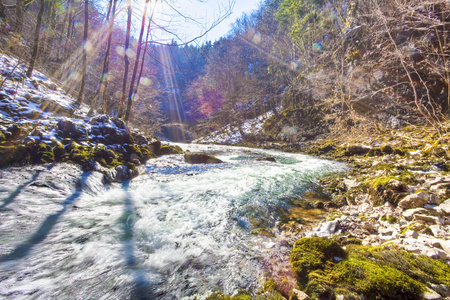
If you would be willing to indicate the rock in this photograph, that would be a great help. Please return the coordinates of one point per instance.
(270, 159)
(201, 158)
(121, 173)
(436, 253)
(109, 131)
(441, 189)
(445, 206)
(428, 219)
(411, 234)
(445, 244)
(298, 295)
(356, 150)
(414, 200)
(387, 150)
(326, 229)
(431, 295)
(441, 289)
(169, 149)
(68, 129)
(434, 199)
(370, 240)
(438, 231)
(387, 231)
(51, 106)
(409, 214)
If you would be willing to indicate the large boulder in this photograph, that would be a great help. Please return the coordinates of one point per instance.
(201, 158)
(66, 128)
(109, 131)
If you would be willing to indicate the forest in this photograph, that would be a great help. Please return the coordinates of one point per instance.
(320, 66)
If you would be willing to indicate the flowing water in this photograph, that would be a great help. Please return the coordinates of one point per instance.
(177, 231)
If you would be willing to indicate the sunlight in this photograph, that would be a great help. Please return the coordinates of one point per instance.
(70, 79)
(172, 89)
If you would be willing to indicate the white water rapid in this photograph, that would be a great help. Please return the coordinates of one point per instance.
(177, 231)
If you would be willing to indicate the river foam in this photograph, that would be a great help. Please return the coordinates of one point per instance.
(176, 231)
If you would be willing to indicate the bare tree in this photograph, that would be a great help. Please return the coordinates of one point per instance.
(20, 7)
(127, 61)
(84, 55)
(36, 38)
(132, 92)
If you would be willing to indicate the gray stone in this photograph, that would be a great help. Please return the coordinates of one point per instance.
(431, 295)
(428, 219)
(445, 206)
(438, 231)
(298, 295)
(414, 200)
(442, 289)
(409, 214)
(434, 199)
(326, 229)
(412, 234)
(436, 253)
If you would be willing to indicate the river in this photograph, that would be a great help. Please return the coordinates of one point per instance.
(176, 231)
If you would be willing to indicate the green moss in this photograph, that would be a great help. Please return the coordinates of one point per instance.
(364, 271)
(334, 215)
(389, 218)
(421, 228)
(358, 274)
(169, 149)
(262, 231)
(42, 153)
(58, 150)
(314, 253)
(380, 181)
(241, 295)
(15, 155)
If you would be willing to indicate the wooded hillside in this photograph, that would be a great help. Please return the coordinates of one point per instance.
(321, 66)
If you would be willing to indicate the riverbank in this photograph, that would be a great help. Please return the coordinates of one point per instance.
(385, 227)
(392, 213)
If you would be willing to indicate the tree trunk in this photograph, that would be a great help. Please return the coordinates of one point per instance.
(36, 39)
(66, 16)
(2, 10)
(20, 7)
(50, 32)
(131, 94)
(102, 84)
(127, 62)
(84, 59)
(143, 57)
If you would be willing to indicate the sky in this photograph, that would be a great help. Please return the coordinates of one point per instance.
(205, 12)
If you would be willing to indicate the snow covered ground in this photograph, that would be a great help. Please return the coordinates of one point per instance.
(231, 134)
(39, 106)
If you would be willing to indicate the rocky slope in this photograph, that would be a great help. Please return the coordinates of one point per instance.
(39, 123)
(394, 202)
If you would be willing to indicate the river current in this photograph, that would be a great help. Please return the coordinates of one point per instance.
(176, 231)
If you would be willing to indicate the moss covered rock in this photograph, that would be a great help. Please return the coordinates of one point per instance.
(314, 253)
(201, 158)
(15, 155)
(326, 271)
(169, 149)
